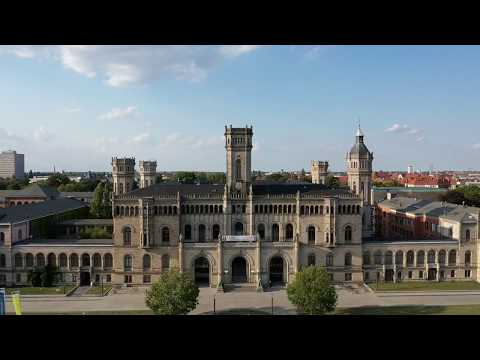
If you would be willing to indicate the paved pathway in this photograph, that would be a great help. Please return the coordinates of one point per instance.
(80, 291)
(134, 299)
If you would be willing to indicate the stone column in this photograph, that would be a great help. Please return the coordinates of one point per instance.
(296, 254)
(259, 266)
(180, 253)
(220, 265)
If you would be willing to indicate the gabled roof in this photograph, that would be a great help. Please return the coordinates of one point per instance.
(33, 190)
(46, 208)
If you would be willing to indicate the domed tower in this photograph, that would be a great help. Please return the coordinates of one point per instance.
(359, 171)
(148, 172)
(123, 173)
(319, 171)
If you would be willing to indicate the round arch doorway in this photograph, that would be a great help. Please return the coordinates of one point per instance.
(276, 271)
(202, 272)
(239, 270)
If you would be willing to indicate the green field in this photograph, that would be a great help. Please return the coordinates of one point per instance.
(412, 310)
(55, 290)
(426, 286)
(97, 290)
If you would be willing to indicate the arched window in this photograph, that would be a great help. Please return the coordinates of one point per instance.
(127, 236)
(40, 258)
(261, 231)
(52, 259)
(452, 257)
(275, 232)
(147, 262)
(358, 209)
(165, 262)
(399, 258)
(238, 228)
(108, 261)
(366, 258)
(165, 235)
(29, 260)
(188, 232)
(441, 256)
(85, 260)
(238, 169)
(127, 263)
(201, 233)
(468, 257)
(431, 257)
(410, 257)
(289, 232)
(311, 235)
(20, 236)
(3, 261)
(18, 260)
(97, 261)
(420, 258)
(329, 260)
(467, 235)
(215, 232)
(348, 259)
(62, 260)
(348, 234)
(388, 258)
(377, 257)
(2, 238)
(311, 260)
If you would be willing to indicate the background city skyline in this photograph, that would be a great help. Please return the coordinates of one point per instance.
(75, 107)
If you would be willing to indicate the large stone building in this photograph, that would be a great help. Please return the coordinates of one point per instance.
(256, 233)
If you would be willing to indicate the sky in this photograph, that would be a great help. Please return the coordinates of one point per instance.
(75, 107)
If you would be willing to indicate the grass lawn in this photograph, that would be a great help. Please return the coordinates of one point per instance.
(412, 310)
(97, 290)
(55, 290)
(426, 286)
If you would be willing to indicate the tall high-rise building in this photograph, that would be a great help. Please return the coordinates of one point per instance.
(410, 169)
(12, 165)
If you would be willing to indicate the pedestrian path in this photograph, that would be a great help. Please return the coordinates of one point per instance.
(80, 291)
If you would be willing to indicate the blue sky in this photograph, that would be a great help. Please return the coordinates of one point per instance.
(77, 106)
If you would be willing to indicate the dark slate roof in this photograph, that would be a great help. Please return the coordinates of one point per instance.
(259, 188)
(33, 190)
(42, 209)
(360, 149)
(87, 222)
(64, 242)
(83, 194)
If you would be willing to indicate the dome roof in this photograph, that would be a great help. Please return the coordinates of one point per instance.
(359, 148)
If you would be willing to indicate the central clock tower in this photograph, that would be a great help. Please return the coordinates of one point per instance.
(238, 143)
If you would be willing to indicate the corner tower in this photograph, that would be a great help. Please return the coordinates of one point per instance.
(319, 171)
(359, 171)
(238, 142)
(148, 172)
(123, 173)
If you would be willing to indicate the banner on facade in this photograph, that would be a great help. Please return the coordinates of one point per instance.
(242, 238)
(17, 303)
(2, 302)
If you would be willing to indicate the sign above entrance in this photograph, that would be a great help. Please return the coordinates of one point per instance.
(241, 238)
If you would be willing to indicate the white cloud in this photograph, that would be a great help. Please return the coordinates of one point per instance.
(72, 110)
(476, 146)
(119, 113)
(104, 143)
(140, 139)
(397, 128)
(421, 138)
(127, 65)
(42, 135)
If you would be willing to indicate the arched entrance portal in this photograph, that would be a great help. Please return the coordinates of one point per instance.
(84, 278)
(202, 272)
(276, 271)
(239, 270)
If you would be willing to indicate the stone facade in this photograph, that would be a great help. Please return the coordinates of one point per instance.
(319, 171)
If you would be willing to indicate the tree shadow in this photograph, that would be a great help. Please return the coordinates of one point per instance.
(393, 310)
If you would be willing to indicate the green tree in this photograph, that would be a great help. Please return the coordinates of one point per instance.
(332, 182)
(175, 293)
(277, 177)
(185, 177)
(470, 195)
(311, 292)
(45, 276)
(96, 205)
(56, 180)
